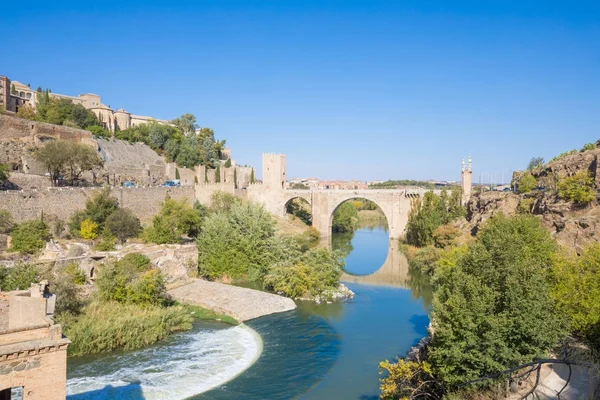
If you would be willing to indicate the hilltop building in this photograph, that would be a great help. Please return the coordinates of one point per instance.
(23, 95)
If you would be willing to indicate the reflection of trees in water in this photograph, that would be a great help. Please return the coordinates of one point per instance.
(335, 310)
(420, 285)
(342, 241)
(373, 223)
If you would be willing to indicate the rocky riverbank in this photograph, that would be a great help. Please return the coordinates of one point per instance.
(240, 303)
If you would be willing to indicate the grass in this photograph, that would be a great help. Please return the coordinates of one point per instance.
(205, 314)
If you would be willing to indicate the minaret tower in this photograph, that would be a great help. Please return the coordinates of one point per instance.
(466, 181)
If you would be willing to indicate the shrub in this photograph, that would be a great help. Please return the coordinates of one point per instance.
(577, 188)
(68, 300)
(106, 244)
(30, 236)
(562, 155)
(525, 206)
(588, 146)
(407, 380)
(527, 183)
(6, 222)
(122, 224)
(88, 229)
(426, 259)
(445, 235)
(222, 201)
(74, 274)
(104, 327)
(97, 208)
(175, 219)
(19, 277)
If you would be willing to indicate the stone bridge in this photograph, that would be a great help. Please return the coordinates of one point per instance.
(395, 204)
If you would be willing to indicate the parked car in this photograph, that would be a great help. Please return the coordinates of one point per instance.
(129, 184)
(172, 183)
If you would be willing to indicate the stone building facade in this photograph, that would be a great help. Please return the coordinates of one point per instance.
(112, 120)
(33, 351)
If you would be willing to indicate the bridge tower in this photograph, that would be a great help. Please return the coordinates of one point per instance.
(273, 171)
(466, 181)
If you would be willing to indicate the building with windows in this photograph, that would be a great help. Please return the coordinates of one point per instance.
(14, 95)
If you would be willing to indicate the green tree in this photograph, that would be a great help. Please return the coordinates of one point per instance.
(175, 219)
(122, 224)
(4, 172)
(345, 218)
(252, 179)
(228, 163)
(535, 163)
(177, 176)
(527, 183)
(6, 222)
(97, 208)
(30, 236)
(61, 157)
(218, 174)
(186, 123)
(492, 310)
(19, 277)
(577, 188)
(27, 112)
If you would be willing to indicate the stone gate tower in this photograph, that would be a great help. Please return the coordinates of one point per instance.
(466, 181)
(273, 169)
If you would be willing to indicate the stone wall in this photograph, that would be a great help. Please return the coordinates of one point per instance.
(38, 132)
(63, 202)
(204, 191)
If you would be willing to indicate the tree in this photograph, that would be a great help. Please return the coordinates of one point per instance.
(123, 224)
(6, 222)
(30, 236)
(4, 172)
(218, 174)
(98, 131)
(492, 310)
(88, 229)
(407, 380)
(527, 183)
(252, 179)
(19, 277)
(228, 163)
(535, 163)
(345, 218)
(27, 112)
(186, 123)
(97, 209)
(175, 219)
(13, 90)
(235, 179)
(61, 157)
(577, 188)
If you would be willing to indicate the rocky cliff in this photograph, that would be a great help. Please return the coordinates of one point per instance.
(573, 226)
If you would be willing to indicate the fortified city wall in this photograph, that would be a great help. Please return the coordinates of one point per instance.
(144, 202)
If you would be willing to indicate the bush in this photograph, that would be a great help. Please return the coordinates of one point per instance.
(6, 222)
(131, 280)
(97, 208)
(527, 183)
(104, 327)
(312, 274)
(407, 380)
(19, 277)
(577, 188)
(525, 206)
(222, 201)
(175, 219)
(74, 274)
(122, 224)
(426, 259)
(68, 301)
(88, 229)
(30, 236)
(492, 310)
(562, 155)
(445, 235)
(106, 244)
(588, 146)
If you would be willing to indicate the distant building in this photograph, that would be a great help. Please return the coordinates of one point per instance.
(112, 120)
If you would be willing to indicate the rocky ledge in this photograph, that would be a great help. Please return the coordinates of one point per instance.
(329, 296)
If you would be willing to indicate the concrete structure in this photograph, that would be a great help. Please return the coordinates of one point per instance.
(33, 352)
(24, 95)
(466, 181)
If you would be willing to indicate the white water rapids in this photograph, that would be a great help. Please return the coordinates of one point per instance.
(189, 364)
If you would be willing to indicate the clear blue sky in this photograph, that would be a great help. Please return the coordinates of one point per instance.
(346, 89)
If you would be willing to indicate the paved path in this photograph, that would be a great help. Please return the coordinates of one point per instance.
(240, 303)
(581, 386)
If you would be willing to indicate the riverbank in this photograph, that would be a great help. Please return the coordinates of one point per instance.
(242, 304)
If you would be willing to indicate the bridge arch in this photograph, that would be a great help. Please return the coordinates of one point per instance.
(361, 197)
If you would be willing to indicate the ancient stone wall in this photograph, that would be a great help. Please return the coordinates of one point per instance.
(37, 132)
(205, 191)
(63, 202)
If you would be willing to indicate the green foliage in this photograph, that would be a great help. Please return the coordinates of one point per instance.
(445, 235)
(19, 277)
(492, 310)
(575, 287)
(98, 131)
(218, 174)
(228, 163)
(88, 229)
(252, 179)
(186, 123)
(27, 112)
(425, 259)
(432, 212)
(106, 244)
(74, 274)
(311, 274)
(299, 186)
(527, 183)
(222, 201)
(407, 380)
(64, 112)
(122, 224)
(588, 146)
(401, 183)
(104, 327)
(577, 188)
(97, 208)
(177, 176)
(131, 280)
(562, 155)
(175, 219)
(187, 150)
(525, 206)
(67, 158)
(30, 236)
(300, 209)
(345, 218)
(6, 221)
(535, 163)
(2, 109)
(68, 300)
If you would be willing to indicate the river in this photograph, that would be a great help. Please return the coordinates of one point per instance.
(314, 352)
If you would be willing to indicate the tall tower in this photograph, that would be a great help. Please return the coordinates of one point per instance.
(273, 171)
(466, 181)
